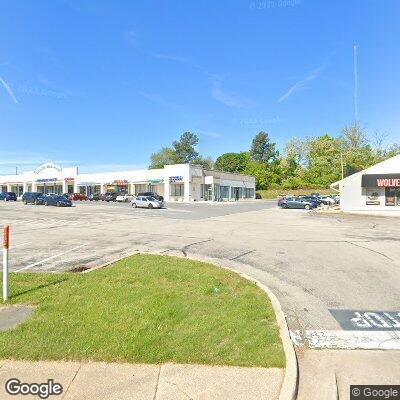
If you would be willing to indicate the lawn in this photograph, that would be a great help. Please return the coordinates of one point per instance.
(273, 193)
(145, 309)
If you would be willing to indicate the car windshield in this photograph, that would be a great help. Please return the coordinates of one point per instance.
(58, 197)
(150, 198)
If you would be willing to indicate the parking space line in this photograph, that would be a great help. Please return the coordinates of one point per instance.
(51, 258)
(17, 245)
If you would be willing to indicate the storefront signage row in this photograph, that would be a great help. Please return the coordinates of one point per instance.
(380, 180)
(47, 180)
(121, 182)
(69, 179)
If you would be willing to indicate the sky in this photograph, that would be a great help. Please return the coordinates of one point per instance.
(103, 84)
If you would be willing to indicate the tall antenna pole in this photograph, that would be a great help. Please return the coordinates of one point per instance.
(355, 64)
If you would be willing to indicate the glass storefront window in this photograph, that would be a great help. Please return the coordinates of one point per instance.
(177, 190)
(372, 197)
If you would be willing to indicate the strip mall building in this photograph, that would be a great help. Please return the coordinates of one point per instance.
(375, 189)
(179, 182)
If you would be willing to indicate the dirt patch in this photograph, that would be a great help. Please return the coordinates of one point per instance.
(79, 269)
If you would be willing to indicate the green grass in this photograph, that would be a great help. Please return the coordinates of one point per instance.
(145, 309)
(273, 193)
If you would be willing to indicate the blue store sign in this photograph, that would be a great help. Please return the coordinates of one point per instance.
(176, 178)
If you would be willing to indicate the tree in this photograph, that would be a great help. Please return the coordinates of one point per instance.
(205, 162)
(260, 171)
(163, 157)
(232, 162)
(324, 166)
(184, 148)
(262, 150)
(182, 152)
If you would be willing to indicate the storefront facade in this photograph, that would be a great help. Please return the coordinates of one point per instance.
(179, 182)
(375, 189)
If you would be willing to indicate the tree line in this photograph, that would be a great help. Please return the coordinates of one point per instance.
(310, 162)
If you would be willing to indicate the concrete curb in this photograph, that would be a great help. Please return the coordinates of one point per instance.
(290, 381)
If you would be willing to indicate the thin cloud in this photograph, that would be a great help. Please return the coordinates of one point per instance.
(178, 59)
(157, 99)
(312, 75)
(8, 90)
(131, 37)
(228, 99)
(209, 134)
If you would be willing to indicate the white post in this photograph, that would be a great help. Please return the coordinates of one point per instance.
(5, 261)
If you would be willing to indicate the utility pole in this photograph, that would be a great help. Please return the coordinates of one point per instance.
(355, 94)
(16, 170)
(341, 162)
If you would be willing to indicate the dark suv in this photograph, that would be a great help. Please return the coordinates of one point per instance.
(8, 196)
(151, 194)
(33, 198)
(112, 196)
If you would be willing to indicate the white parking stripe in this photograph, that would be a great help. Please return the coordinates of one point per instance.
(349, 340)
(51, 258)
(17, 245)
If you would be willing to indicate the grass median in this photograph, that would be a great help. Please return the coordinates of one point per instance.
(145, 309)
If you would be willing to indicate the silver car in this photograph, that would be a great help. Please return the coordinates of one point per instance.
(147, 202)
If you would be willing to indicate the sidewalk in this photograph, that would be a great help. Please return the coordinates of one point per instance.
(96, 380)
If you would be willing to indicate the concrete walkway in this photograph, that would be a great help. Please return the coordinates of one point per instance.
(108, 381)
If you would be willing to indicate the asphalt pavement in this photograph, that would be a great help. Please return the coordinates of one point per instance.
(336, 276)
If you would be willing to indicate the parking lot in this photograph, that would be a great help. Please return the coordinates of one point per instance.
(337, 276)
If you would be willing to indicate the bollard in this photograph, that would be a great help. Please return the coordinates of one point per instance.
(6, 242)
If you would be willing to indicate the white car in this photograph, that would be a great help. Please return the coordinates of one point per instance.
(124, 198)
(146, 202)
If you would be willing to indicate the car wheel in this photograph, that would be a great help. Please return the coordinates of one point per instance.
(36, 203)
(134, 205)
(150, 206)
(307, 207)
(46, 203)
(58, 204)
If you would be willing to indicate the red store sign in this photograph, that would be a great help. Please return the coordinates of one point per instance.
(121, 182)
(388, 182)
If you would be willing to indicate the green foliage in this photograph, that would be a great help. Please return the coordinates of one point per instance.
(262, 150)
(163, 157)
(183, 151)
(185, 147)
(307, 163)
(232, 162)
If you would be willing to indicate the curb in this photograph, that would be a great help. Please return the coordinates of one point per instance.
(291, 379)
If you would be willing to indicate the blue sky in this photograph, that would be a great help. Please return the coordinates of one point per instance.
(103, 84)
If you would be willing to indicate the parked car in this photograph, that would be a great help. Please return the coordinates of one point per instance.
(147, 202)
(57, 200)
(327, 200)
(315, 200)
(151, 194)
(297, 202)
(111, 196)
(8, 196)
(96, 197)
(33, 198)
(124, 198)
(77, 196)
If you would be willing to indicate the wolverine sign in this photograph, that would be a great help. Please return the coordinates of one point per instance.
(381, 180)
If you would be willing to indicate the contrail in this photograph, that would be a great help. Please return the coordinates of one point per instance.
(355, 62)
(8, 89)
